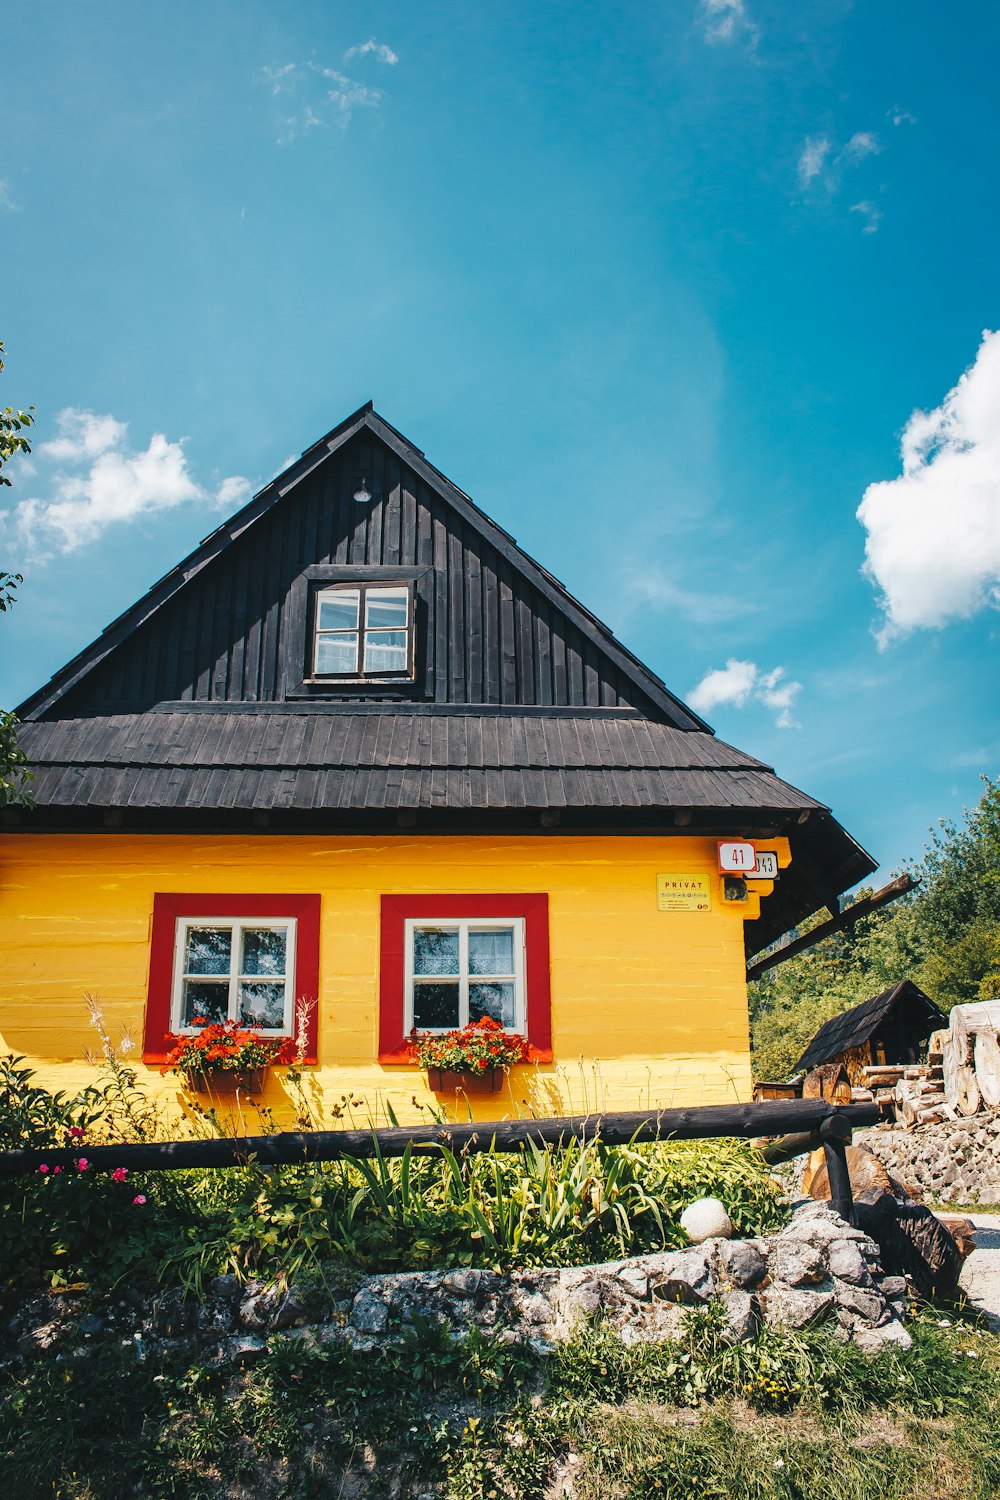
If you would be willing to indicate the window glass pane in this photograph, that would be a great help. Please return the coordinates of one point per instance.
(387, 608)
(491, 952)
(496, 1000)
(336, 653)
(208, 998)
(385, 651)
(338, 609)
(263, 1005)
(435, 950)
(263, 951)
(435, 1004)
(208, 950)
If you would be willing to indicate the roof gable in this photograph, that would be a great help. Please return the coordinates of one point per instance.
(501, 629)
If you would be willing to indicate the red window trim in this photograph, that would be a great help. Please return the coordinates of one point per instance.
(169, 907)
(534, 908)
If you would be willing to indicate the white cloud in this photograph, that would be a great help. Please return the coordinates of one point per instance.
(871, 216)
(650, 585)
(375, 49)
(82, 435)
(933, 543)
(862, 143)
(346, 95)
(313, 97)
(100, 482)
(813, 159)
(727, 21)
(900, 116)
(739, 682)
(6, 201)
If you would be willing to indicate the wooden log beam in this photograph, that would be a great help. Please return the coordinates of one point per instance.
(705, 1122)
(863, 908)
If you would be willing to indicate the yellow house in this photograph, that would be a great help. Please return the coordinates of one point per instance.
(360, 750)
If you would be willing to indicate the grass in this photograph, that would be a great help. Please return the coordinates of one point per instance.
(796, 1417)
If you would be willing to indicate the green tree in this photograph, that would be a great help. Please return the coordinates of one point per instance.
(945, 936)
(15, 779)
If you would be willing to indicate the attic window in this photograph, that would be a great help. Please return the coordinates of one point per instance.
(363, 630)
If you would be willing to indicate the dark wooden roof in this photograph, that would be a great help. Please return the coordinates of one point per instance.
(905, 1003)
(185, 711)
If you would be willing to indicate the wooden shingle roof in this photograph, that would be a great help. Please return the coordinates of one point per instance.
(854, 1027)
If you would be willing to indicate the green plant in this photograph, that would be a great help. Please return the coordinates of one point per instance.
(478, 1048)
(224, 1047)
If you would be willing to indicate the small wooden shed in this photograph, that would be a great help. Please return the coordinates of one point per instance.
(889, 1028)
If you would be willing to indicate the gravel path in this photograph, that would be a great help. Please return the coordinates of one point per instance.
(980, 1279)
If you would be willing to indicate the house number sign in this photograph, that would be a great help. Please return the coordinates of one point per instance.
(683, 893)
(766, 867)
(737, 858)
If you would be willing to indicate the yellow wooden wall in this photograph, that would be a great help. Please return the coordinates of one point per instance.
(648, 1007)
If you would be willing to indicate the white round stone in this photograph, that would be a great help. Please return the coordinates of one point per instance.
(706, 1219)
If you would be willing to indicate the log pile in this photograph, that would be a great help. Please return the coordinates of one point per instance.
(960, 1078)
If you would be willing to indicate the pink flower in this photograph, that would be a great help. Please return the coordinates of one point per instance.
(82, 1164)
(138, 1200)
(43, 1168)
(76, 1131)
(119, 1174)
(56, 1171)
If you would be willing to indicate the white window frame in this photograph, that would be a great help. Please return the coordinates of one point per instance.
(364, 587)
(465, 925)
(237, 926)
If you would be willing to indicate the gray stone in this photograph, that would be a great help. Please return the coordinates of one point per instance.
(224, 1288)
(368, 1314)
(257, 1313)
(681, 1276)
(741, 1314)
(891, 1335)
(799, 1263)
(894, 1286)
(41, 1340)
(847, 1263)
(244, 1349)
(90, 1324)
(742, 1263)
(292, 1312)
(794, 1307)
(634, 1281)
(584, 1302)
(463, 1283)
(867, 1305)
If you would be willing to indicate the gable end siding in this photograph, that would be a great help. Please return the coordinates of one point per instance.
(491, 637)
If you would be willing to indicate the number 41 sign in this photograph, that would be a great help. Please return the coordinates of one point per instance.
(739, 857)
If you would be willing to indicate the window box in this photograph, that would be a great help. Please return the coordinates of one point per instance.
(446, 1081)
(447, 961)
(227, 1080)
(246, 958)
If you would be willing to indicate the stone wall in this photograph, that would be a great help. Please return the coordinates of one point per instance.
(817, 1270)
(954, 1162)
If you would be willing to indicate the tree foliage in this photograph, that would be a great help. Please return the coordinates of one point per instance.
(945, 936)
(15, 779)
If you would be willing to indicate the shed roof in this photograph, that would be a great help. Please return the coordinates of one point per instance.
(858, 1025)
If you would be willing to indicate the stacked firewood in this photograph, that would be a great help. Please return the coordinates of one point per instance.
(960, 1078)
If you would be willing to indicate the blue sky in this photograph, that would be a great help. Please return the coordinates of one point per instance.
(666, 288)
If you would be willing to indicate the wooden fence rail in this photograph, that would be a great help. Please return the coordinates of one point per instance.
(771, 1118)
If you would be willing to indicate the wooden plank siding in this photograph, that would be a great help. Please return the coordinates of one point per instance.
(493, 638)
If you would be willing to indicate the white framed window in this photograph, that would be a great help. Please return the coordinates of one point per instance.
(460, 970)
(363, 630)
(234, 970)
